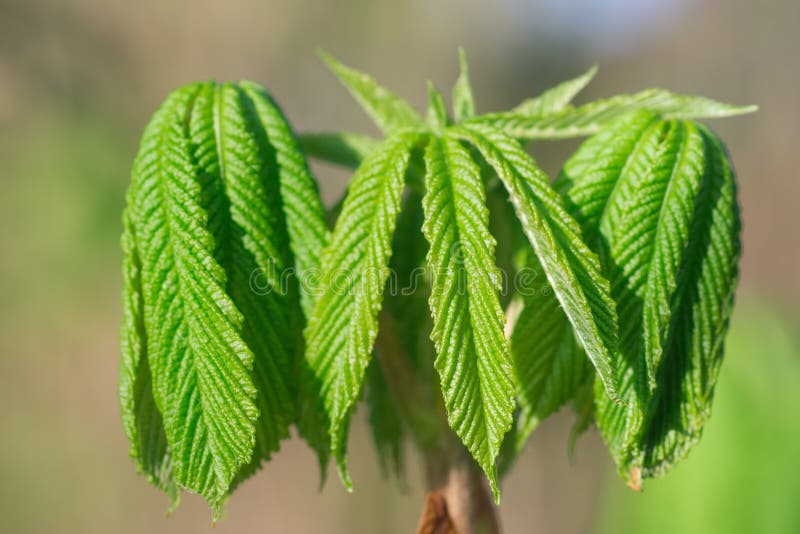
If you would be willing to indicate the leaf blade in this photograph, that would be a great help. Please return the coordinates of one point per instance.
(556, 98)
(572, 269)
(673, 171)
(590, 118)
(141, 419)
(200, 364)
(473, 358)
(343, 324)
(387, 110)
(463, 100)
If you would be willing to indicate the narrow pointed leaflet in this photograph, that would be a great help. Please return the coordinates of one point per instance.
(343, 325)
(571, 268)
(472, 354)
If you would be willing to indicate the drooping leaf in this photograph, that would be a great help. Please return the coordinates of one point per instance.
(551, 366)
(302, 206)
(227, 221)
(556, 98)
(201, 367)
(409, 285)
(590, 118)
(660, 197)
(239, 174)
(549, 363)
(307, 236)
(141, 420)
(387, 110)
(343, 325)
(463, 101)
(571, 268)
(472, 354)
(701, 306)
(341, 148)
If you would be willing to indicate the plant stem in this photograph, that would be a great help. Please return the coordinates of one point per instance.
(459, 500)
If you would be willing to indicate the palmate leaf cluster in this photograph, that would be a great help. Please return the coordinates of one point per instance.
(609, 288)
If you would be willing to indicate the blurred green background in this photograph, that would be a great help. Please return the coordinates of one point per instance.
(78, 81)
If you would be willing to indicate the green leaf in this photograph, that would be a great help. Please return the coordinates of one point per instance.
(340, 148)
(302, 207)
(227, 222)
(472, 354)
(436, 116)
(343, 325)
(571, 268)
(701, 304)
(661, 197)
(257, 168)
(387, 110)
(463, 101)
(201, 367)
(307, 235)
(549, 363)
(590, 118)
(385, 421)
(141, 419)
(590, 181)
(556, 98)
(551, 368)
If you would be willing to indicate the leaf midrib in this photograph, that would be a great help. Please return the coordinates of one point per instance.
(470, 282)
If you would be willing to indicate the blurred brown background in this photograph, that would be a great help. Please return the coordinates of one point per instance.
(78, 81)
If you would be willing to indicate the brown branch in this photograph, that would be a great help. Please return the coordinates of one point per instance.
(455, 478)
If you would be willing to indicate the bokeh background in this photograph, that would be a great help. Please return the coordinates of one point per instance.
(78, 81)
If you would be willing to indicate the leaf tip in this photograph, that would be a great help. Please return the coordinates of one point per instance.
(635, 479)
(462, 61)
(344, 475)
(495, 491)
(333, 64)
(174, 501)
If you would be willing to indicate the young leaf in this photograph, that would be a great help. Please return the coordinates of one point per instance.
(591, 117)
(701, 308)
(307, 234)
(201, 367)
(549, 363)
(655, 191)
(341, 148)
(590, 182)
(343, 325)
(141, 419)
(302, 206)
(571, 268)
(238, 173)
(404, 346)
(437, 110)
(472, 355)
(387, 110)
(222, 207)
(463, 101)
(556, 98)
